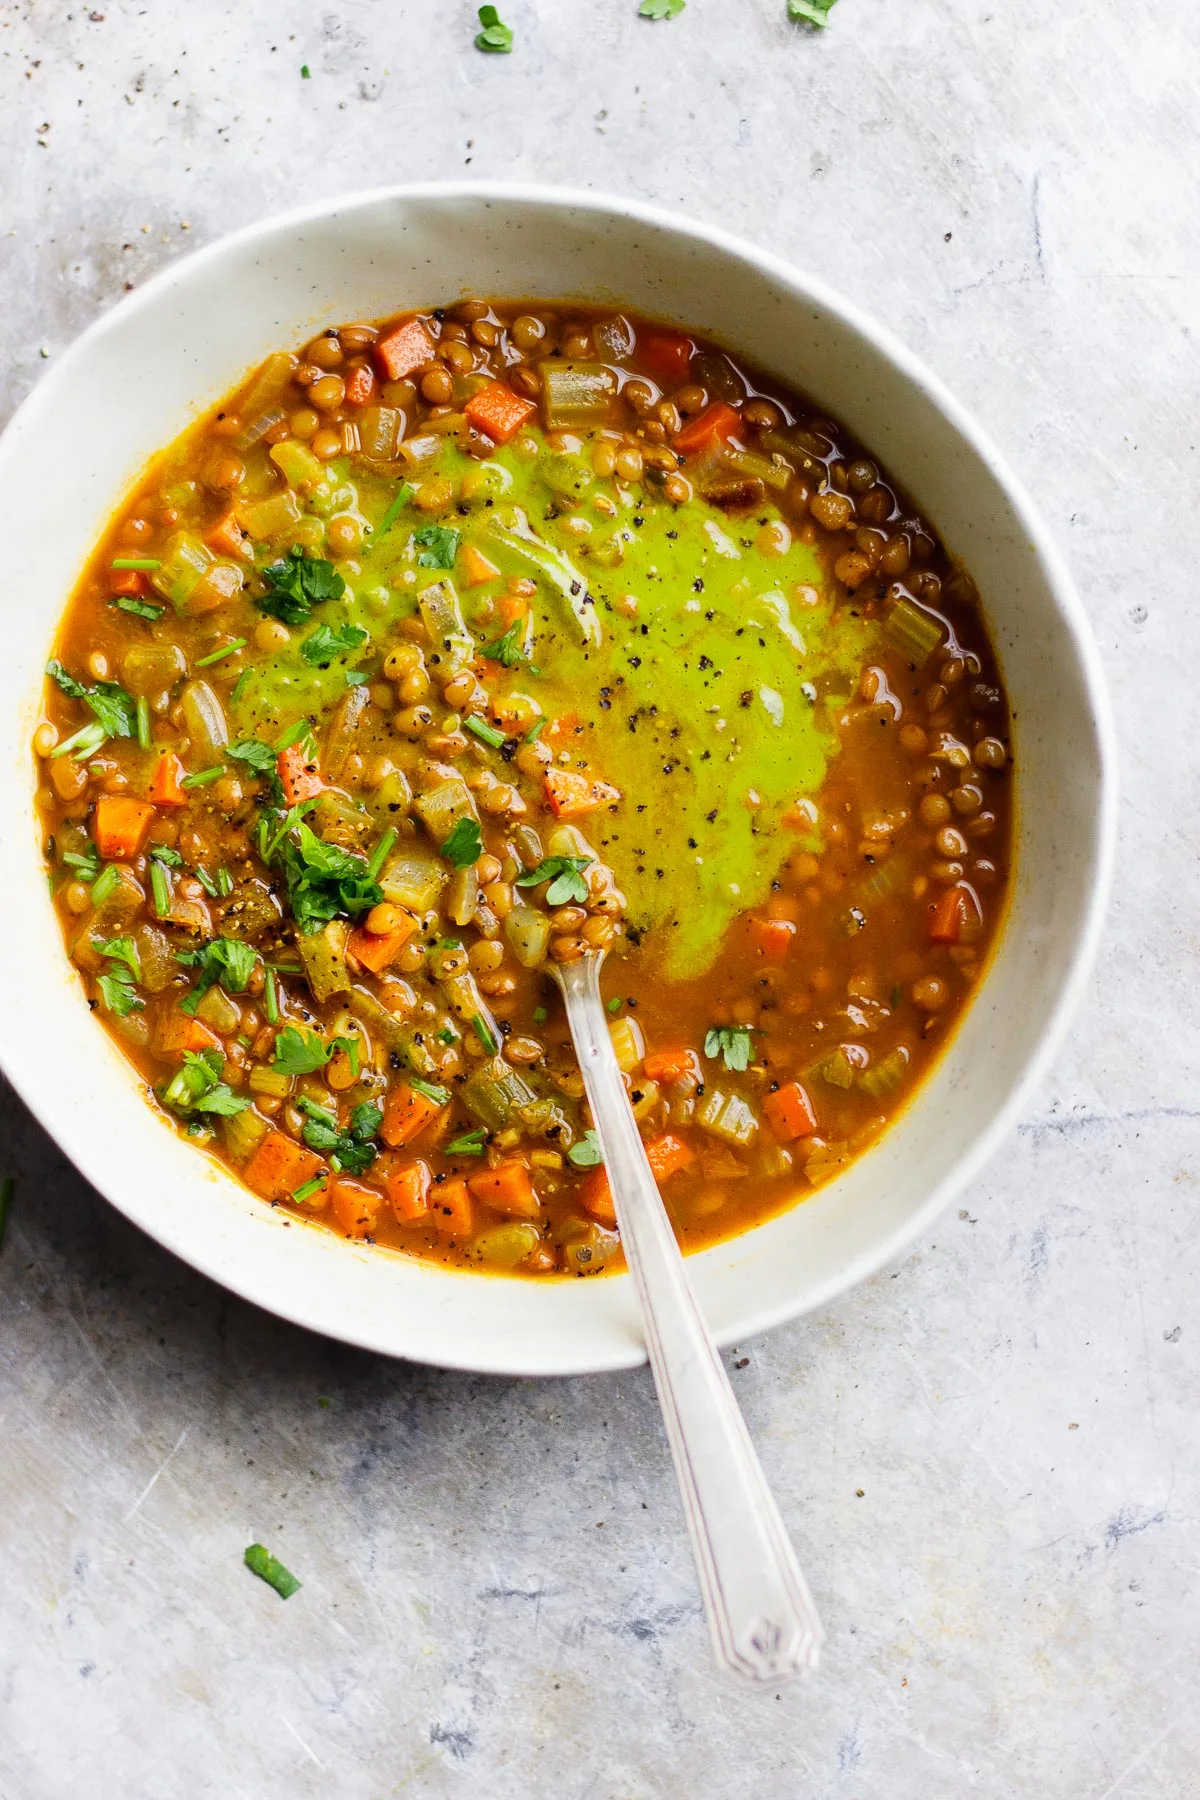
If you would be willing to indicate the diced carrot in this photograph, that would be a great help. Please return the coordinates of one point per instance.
(498, 412)
(120, 825)
(355, 1206)
(560, 731)
(279, 1166)
(474, 567)
(670, 1064)
(512, 605)
(595, 1197)
(507, 1188)
(128, 583)
(772, 938)
(789, 1113)
(407, 1186)
(666, 1155)
(716, 423)
(405, 348)
(177, 1033)
(406, 1115)
(955, 914)
(452, 1213)
(378, 952)
(667, 356)
(227, 537)
(166, 787)
(571, 794)
(360, 385)
(301, 779)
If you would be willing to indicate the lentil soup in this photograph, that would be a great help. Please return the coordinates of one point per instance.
(480, 639)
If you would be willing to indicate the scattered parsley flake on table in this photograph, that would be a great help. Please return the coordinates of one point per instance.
(813, 12)
(495, 36)
(269, 1569)
(662, 9)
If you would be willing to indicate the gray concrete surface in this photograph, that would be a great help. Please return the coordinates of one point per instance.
(989, 1454)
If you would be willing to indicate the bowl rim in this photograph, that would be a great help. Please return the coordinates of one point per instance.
(1071, 616)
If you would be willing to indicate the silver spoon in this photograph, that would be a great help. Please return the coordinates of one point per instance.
(762, 1618)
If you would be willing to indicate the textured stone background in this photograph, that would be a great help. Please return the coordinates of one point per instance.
(498, 1599)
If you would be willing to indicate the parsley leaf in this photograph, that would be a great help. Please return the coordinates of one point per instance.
(227, 960)
(324, 881)
(484, 1033)
(300, 1052)
(115, 710)
(732, 1044)
(327, 642)
(509, 650)
(814, 12)
(163, 853)
(198, 1088)
(438, 545)
(586, 1154)
(365, 1120)
(464, 846)
(471, 1143)
(565, 875)
(118, 993)
(259, 756)
(296, 584)
(663, 9)
(430, 1090)
(123, 949)
(352, 1149)
(495, 36)
(141, 609)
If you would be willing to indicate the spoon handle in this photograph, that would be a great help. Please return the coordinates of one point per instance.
(762, 1618)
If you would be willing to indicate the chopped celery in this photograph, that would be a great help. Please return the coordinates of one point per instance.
(218, 1010)
(841, 1065)
(462, 895)
(453, 646)
(412, 880)
(887, 1074)
(399, 1038)
(497, 1095)
(184, 560)
(507, 1245)
(323, 954)
(576, 393)
(727, 1117)
(443, 806)
(271, 518)
(342, 731)
(379, 429)
(300, 467)
(912, 631)
(243, 1132)
(204, 718)
(272, 1082)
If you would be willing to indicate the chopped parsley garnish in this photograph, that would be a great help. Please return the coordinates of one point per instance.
(732, 1044)
(307, 1189)
(303, 1052)
(483, 1032)
(813, 12)
(430, 1090)
(105, 882)
(438, 546)
(328, 641)
(116, 986)
(324, 881)
(202, 777)
(268, 1568)
(85, 863)
(260, 759)
(216, 656)
(661, 9)
(565, 875)
(495, 37)
(586, 1154)
(224, 959)
(115, 710)
(487, 734)
(305, 75)
(400, 500)
(535, 731)
(464, 846)
(351, 1150)
(614, 1005)
(540, 1015)
(471, 1143)
(135, 562)
(509, 650)
(141, 609)
(301, 733)
(198, 1088)
(296, 584)
(163, 853)
(144, 735)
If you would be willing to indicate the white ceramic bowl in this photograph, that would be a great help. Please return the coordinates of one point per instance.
(140, 374)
